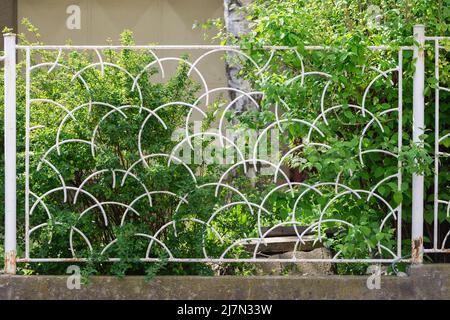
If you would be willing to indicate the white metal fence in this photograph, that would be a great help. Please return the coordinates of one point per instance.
(35, 201)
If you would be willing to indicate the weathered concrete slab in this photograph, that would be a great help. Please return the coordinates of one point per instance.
(285, 231)
(283, 244)
(426, 282)
(299, 268)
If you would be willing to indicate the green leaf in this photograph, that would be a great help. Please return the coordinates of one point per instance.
(398, 197)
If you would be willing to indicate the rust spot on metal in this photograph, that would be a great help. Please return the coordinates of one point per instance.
(417, 249)
(10, 262)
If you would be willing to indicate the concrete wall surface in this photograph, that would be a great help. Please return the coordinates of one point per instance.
(152, 21)
(423, 282)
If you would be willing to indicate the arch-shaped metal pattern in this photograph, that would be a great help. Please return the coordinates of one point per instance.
(224, 193)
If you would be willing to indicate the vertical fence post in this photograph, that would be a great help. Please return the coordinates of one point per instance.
(10, 152)
(418, 130)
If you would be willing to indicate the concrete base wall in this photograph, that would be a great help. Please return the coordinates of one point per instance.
(425, 282)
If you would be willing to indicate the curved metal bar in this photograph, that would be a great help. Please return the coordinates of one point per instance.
(207, 134)
(295, 149)
(365, 130)
(240, 52)
(266, 197)
(178, 103)
(136, 79)
(366, 91)
(39, 199)
(143, 160)
(226, 109)
(148, 194)
(102, 64)
(182, 220)
(72, 229)
(322, 213)
(90, 105)
(312, 126)
(251, 161)
(56, 104)
(322, 115)
(56, 64)
(55, 146)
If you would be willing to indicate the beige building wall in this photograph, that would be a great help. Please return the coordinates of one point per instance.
(152, 21)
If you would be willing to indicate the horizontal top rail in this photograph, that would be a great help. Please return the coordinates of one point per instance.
(437, 38)
(183, 47)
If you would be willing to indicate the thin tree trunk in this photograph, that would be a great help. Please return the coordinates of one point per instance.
(237, 24)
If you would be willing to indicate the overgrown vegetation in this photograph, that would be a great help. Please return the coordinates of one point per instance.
(349, 28)
(73, 220)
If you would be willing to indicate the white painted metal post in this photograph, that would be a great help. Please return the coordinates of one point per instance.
(10, 152)
(418, 130)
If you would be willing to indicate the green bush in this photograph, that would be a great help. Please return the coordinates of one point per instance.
(348, 28)
(101, 169)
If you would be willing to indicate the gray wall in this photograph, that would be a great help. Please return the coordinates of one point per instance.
(161, 21)
(152, 22)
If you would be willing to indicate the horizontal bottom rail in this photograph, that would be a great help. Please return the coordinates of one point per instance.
(436, 250)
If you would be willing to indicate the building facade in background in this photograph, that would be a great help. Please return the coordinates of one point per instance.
(96, 21)
(93, 21)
